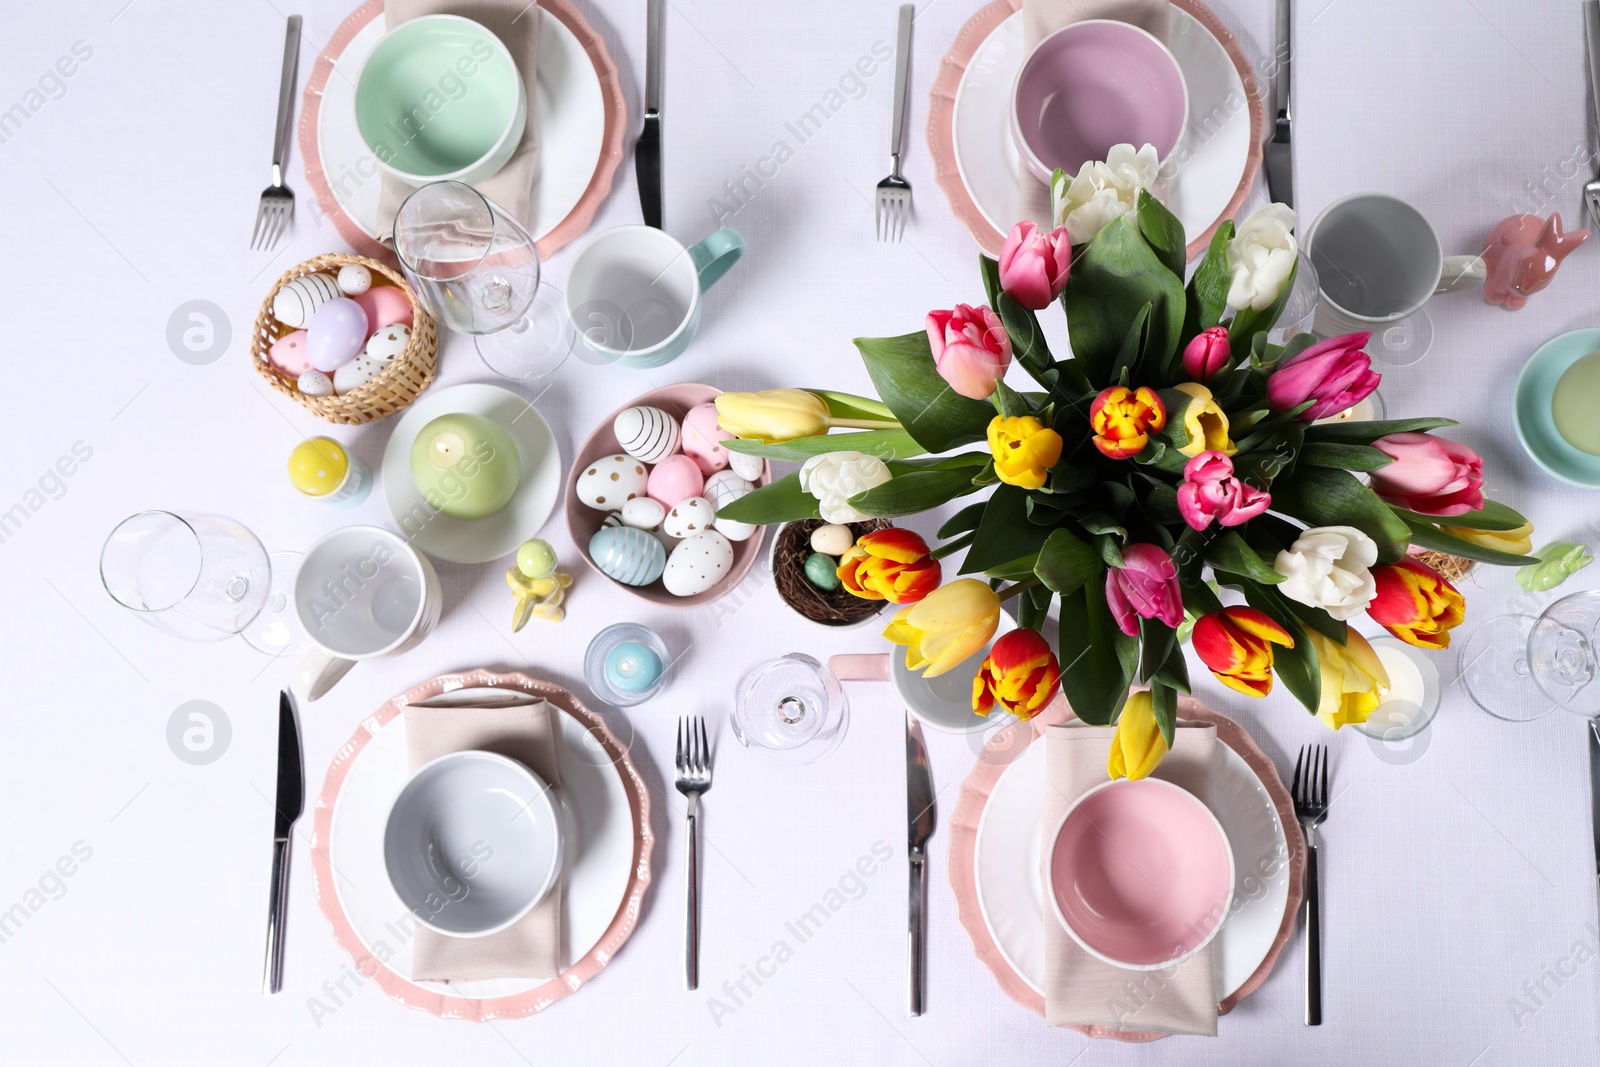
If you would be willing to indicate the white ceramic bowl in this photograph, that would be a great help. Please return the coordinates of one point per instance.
(944, 702)
(472, 843)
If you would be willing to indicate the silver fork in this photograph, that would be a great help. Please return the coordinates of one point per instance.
(1591, 26)
(1311, 807)
(694, 778)
(277, 200)
(894, 192)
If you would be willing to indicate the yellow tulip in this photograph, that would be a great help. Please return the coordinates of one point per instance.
(1353, 679)
(1518, 542)
(1024, 450)
(950, 624)
(772, 415)
(1196, 423)
(1137, 748)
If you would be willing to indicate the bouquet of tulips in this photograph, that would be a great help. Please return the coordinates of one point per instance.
(1175, 471)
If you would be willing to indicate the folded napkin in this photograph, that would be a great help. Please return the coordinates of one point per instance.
(516, 23)
(1041, 18)
(1080, 990)
(530, 948)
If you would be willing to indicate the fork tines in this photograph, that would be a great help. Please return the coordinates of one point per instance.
(272, 218)
(694, 751)
(1312, 800)
(890, 210)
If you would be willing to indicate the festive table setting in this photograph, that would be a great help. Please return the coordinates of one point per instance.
(579, 567)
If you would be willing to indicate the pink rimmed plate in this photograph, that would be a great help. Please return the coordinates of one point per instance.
(996, 860)
(606, 824)
(580, 141)
(976, 163)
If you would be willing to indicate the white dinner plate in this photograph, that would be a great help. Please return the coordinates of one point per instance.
(474, 540)
(571, 136)
(1010, 879)
(1204, 171)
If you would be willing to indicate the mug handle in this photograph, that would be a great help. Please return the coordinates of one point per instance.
(713, 256)
(1461, 272)
(873, 667)
(318, 673)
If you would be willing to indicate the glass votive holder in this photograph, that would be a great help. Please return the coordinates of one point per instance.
(1370, 409)
(626, 664)
(1300, 309)
(1413, 696)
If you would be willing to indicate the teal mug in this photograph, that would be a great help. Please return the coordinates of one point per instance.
(633, 293)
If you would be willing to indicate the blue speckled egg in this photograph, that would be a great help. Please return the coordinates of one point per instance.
(631, 556)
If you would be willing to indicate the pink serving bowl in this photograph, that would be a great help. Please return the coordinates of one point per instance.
(1140, 873)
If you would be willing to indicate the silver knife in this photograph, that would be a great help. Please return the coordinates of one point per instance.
(1591, 28)
(290, 802)
(1278, 155)
(647, 152)
(1594, 787)
(919, 823)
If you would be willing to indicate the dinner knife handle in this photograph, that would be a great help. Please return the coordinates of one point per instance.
(1285, 55)
(1313, 942)
(691, 958)
(917, 954)
(277, 916)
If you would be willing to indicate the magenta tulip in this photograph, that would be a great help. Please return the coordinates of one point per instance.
(1144, 587)
(1210, 493)
(1430, 475)
(1206, 354)
(1034, 265)
(970, 349)
(1334, 374)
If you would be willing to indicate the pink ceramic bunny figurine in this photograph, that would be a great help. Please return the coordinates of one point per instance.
(1522, 255)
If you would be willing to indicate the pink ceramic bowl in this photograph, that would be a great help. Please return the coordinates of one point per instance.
(1092, 85)
(1140, 873)
(584, 521)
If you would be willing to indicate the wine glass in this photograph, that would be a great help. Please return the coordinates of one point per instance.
(1518, 667)
(477, 270)
(790, 709)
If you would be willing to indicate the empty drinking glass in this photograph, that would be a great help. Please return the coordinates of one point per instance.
(1518, 667)
(791, 709)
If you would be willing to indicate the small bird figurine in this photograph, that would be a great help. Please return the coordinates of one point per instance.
(1522, 255)
(537, 588)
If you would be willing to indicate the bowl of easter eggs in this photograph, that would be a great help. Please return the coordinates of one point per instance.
(346, 337)
(643, 494)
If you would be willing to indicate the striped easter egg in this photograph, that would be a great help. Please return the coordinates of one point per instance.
(298, 299)
(647, 434)
(631, 556)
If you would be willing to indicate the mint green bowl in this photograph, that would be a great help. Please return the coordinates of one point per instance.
(440, 98)
(1530, 410)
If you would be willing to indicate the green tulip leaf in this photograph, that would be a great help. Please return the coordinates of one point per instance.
(989, 268)
(1164, 705)
(903, 372)
(1208, 289)
(1343, 456)
(1366, 432)
(1116, 275)
(1157, 642)
(1005, 532)
(850, 406)
(1430, 536)
(1027, 339)
(1163, 232)
(885, 444)
(1248, 322)
(963, 521)
(1493, 516)
(1229, 552)
(782, 501)
(913, 491)
(1323, 496)
(1097, 658)
(1066, 564)
(1298, 667)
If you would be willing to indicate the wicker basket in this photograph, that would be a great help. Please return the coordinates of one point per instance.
(392, 389)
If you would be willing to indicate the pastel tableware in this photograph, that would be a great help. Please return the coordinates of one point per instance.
(1091, 85)
(322, 469)
(626, 664)
(465, 465)
(634, 293)
(944, 702)
(439, 98)
(1560, 365)
(361, 593)
(1140, 873)
(472, 843)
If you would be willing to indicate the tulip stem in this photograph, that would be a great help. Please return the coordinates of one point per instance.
(1018, 587)
(953, 546)
(865, 424)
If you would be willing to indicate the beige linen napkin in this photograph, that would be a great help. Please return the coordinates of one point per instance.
(531, 948)
(1080, 990)
(516, 23)
(1041, 18)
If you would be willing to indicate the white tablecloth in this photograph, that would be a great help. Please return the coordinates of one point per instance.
(1458, 876)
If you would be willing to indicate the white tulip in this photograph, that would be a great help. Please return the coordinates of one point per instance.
(1260, 257)
(1329, 567)
(1102, 192)
(834, 477)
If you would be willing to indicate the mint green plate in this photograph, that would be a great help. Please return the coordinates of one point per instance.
(1530, 410)
(440, 98)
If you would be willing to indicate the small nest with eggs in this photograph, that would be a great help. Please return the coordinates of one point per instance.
(1451, 568)
(835, 608)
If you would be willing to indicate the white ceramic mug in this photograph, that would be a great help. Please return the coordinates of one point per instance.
(1378, 260)
(362, 593)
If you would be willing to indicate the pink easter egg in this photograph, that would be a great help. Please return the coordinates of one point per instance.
(702, 439)
(385, 306)
(337, 332)
(674, 480)
(289, 354)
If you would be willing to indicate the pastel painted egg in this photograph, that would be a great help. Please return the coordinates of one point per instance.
(289, 354)
(299, 298)
(674, 479)
(385, 306)
(832, 539)
(702, 438)
(722, 489)
(388, 344)
(822, 571)
(612, 481)
(697, 564)
(314, 383)
(354, 279)
(632, 557)
(646, 433)
(689, 517)
(749, 468)
(642, 513)
(356, 373)
(337, 332)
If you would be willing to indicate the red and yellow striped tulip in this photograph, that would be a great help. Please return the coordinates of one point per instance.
(945, 627)
(1236, 644)
(1416, 603)
(1020, 673)
(1123, 420)
(892, 565)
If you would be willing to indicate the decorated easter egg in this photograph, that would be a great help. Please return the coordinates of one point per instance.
(747, 467)
(722, 489)
(702, 438)
(697, 564)
(336, 334)
(385, 306)
(388, 344)
(689, 517)
(612, 520)
(632, 557)
(289, 354)
(822, 571)
(299, 298)
(356, 373)
(611, 481)
(646, 433)
(675, 478)
(832, 539)
(642, 513)
(354, 279)
(536, 558)
(314, 383)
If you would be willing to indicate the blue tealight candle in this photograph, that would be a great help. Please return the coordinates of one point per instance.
(632, 667)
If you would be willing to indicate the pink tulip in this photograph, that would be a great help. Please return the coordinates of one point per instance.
(1210, 493)
(1034, 265)
(1144, 587)
(1336, 374)
(970, 349)
(1206, 354)
(1431, 475)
